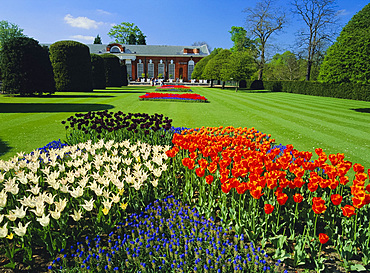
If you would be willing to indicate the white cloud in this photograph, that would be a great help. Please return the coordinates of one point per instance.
(342, 12)
(81, 22)
(103, 12)
(82, 37)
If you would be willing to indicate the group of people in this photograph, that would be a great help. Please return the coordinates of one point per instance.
(155, 81)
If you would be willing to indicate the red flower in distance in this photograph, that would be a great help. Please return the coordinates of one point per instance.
(358, 168)
(323, 238)
(318, 205)
(298, 198)
(268, 208)
(336, 199)
(200, 172)
(348, 210)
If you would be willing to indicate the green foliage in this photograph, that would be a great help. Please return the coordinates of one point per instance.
(286, 67)
(8, 31)
(213, 68)
(125, 33)
(113, 72)
(354, 91)
(72, 66)
(199, 66)
(26, 67)
(348, 59)
(97, 40)
(240, 39)
(98, 71)
(124, 74)
(239, 66)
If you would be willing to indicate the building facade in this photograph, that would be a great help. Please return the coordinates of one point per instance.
(153, 61)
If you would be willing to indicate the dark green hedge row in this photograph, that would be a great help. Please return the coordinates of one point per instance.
(98, 71)
(72, 66)
(26, 67)
(353, 91)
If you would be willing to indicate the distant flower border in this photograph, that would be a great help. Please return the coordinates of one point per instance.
(173, 97)
(174, 88)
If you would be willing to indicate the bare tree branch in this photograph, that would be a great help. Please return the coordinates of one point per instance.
(262, 21)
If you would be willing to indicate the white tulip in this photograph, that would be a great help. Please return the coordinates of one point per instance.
(89, 205)
(164, 167)
(11, 216)
(77, 192)
(115, 198)
(77, 215)
(55, 214)
(1, 217)
(33, 177)
(19, 212)
(35, 190)
(157, 172)
(21, 230)
(154, 183)
(39, 211)
(3, 198)
(61, 204)
(44, 220)
(2, 176)
(3, 231)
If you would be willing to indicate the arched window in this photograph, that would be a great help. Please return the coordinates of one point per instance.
(171, 70)
(190, 68)
(140, 68)
(150, 69)
(161, 68)
(115, 49)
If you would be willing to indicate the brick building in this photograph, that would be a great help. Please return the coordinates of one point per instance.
(172, 62)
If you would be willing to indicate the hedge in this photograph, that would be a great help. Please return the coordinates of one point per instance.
(72, 66)
(98, 71)
(113, 70)
(26, 67)
(353, 91)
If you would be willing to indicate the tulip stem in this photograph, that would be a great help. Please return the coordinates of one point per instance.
(314, 229)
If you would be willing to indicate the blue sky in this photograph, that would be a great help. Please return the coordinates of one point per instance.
(164, 22)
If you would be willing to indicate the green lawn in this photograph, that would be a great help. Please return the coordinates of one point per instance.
(307, 122)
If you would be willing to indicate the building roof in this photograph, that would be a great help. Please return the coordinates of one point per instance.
(150, 50)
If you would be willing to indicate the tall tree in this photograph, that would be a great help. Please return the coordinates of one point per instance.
(132, 39)
(97, 40)
(240, 66)
(199, 66)
(121, 33)
(319, 16)
(286, 67)
(8, 31)
(348, 59)
(262, 21)
(212, 71)
(203, 43)
(240, 39)
(140, 39)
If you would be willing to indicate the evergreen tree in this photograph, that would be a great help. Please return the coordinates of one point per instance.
(348, 59)
(97, 40)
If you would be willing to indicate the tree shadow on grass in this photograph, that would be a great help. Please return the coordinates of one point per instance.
(78, 96)
(4, 147)
(362, 110)
(51, 107)
(121, 92)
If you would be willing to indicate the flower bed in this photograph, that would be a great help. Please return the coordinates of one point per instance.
(173, 88)
(236, 177)
(173, 97)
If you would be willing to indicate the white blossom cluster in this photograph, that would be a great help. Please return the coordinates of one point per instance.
(80, 178)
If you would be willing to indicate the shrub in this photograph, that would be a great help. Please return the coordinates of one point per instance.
(113, 75)
(124, 74)
(72, 66)
(26, 67)
(347, 60)
(98, 71)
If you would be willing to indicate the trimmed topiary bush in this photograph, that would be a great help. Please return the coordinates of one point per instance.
(26, 67)
(124, 74)
(98, 71)
(72, 66)
(113, 72)
(348, 59)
